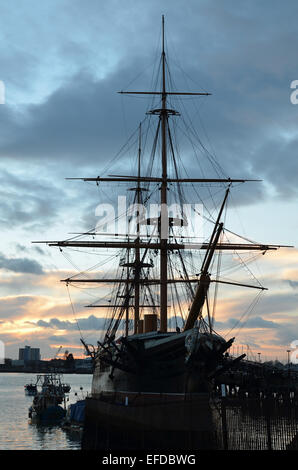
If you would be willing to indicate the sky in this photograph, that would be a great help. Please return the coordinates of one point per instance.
(62, 63)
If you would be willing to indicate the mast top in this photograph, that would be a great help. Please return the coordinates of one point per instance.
(163, 34)
(164, 91)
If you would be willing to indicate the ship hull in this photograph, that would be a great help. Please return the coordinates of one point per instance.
(156, 393)
(51, 414)
(149, 421)
(160, 363)
(176, 379)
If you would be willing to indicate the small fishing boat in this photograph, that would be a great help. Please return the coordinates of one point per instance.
(49, 403)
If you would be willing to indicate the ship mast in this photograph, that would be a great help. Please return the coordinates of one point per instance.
(163, 208)
(163, 114)
(163, 245)
(137, 250)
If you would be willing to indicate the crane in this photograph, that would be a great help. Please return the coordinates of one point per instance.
(59, 349)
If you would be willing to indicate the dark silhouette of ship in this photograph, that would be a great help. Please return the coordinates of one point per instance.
(152, 385)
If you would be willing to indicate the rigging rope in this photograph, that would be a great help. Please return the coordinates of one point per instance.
(73, 311)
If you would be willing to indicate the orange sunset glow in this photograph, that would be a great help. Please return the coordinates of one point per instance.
(44, 312)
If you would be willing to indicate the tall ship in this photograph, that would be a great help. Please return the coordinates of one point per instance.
(156, 364)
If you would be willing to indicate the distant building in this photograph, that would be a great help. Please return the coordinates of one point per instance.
(35, 354)
(27, 354)
(17, 363)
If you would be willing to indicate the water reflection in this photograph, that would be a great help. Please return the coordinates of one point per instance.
(52, 436)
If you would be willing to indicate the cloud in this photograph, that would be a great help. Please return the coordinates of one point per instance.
(81, 120)
(251, 323)
(293, 284)
(22, 248)
(32, 206)
(259, 322)
(90, 323)
(15, 306)
(20, 265)
(59, 339)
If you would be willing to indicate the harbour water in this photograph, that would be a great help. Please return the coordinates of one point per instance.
(16, 431)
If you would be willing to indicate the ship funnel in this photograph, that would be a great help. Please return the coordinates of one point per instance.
(150, 322)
